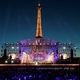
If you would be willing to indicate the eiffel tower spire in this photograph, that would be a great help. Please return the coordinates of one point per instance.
(39, 24)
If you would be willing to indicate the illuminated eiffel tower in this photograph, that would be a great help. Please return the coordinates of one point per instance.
(39, 24)
(39, 39)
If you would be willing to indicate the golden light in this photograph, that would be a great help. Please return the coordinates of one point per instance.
(65, 56)
(50, 57)
(13, 55)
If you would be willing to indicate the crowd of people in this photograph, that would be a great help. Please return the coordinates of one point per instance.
(39, 74)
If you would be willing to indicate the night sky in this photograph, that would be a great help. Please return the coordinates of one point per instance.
(60, 20)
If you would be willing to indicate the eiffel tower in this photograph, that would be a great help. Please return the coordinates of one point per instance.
(39, 24)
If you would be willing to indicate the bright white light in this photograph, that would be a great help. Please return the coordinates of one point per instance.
(36, 63)
(64, 47)
(6, 61)
(50, 57)
(12, 47)
(24, 53)
(25, 58)
(65, 56)
(13, 55)
(12, 61)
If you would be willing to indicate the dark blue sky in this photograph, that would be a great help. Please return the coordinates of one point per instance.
(60, 20)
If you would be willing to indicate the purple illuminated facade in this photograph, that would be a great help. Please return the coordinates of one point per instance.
(39, 49)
